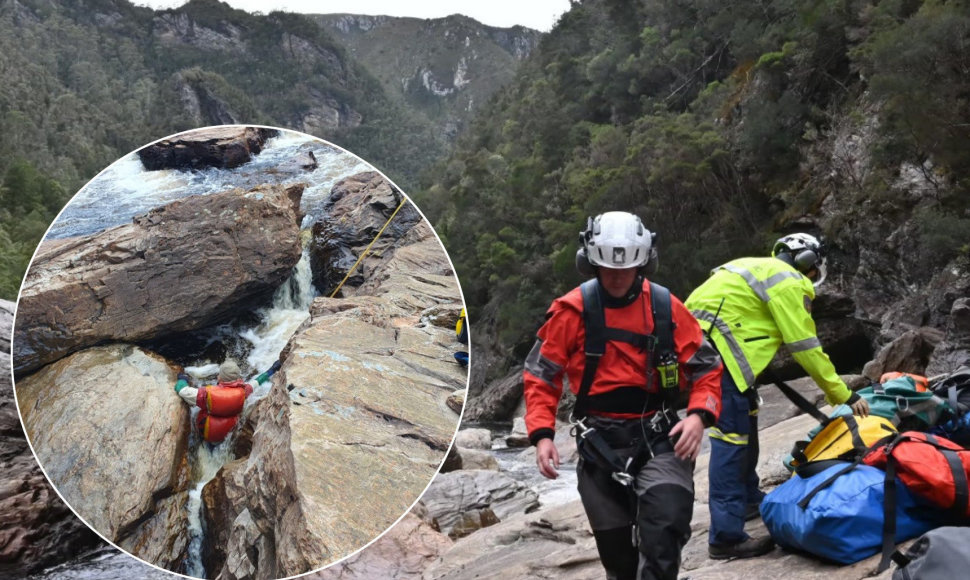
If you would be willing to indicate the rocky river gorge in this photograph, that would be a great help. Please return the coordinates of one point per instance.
(325, 457)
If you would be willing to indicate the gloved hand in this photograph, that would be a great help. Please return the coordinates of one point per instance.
(276, 366)
(183, 377)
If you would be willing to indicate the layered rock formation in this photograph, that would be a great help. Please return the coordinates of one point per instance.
(36, 528)
(180, 267)
(112, 435)
(225, 147)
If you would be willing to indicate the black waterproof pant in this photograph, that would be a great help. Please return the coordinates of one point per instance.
(661, 505)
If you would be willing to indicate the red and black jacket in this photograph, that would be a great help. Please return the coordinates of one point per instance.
(625, 378)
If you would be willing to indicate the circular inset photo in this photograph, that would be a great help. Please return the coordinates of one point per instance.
(235, 353)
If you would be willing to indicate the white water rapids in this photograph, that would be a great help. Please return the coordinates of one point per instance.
(289, 309)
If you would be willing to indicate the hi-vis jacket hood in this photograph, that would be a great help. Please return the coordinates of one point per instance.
(766, 303)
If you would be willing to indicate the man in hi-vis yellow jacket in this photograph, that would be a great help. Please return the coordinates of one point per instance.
(750, 307)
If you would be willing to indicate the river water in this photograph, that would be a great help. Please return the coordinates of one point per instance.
(125, 189)
(519, 464)
(254, 340)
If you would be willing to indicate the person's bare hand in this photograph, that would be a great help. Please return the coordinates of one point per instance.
(860, 407)
(690, 432)
(547, 458)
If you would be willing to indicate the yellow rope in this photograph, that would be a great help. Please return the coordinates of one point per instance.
(367, 249)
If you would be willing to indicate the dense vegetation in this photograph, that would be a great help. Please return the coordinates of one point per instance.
(87, 82)
(722, 125)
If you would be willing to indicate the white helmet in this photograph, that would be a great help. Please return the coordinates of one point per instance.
(617, 240)
(806, 251)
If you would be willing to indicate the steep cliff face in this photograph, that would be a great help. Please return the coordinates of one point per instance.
(444, 67)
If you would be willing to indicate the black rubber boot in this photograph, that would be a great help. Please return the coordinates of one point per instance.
(617, 553)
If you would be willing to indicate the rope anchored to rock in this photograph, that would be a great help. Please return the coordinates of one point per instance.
(404, 200)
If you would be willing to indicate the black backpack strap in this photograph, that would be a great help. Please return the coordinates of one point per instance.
(665, 353)
(795, 397)
(888, 514)
(594, 320)
(663, 320)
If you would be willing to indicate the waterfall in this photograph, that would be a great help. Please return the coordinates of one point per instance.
(289, 309)
(278, 322)
(206, 462)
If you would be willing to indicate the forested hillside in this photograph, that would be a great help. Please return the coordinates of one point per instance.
(87, 81)
(444, 67)
(723, 125)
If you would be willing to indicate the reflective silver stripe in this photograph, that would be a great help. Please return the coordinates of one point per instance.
(756, 285)
(704, 360)
(780, 277)
(542, 368)
(800, 345)
(736, 351)
(760, 287)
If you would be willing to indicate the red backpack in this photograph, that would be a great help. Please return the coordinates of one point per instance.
(932, 467)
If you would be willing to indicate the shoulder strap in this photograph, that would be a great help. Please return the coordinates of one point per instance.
(594, 320)
(663, 320)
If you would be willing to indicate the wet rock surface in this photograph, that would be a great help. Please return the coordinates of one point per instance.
(112, 435)
(455, 499)
(225, 147)
(180, 267)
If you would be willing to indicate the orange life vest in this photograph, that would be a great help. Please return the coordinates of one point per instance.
(219, 408)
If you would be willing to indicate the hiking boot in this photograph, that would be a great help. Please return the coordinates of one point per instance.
(753, 512)
(747, 549)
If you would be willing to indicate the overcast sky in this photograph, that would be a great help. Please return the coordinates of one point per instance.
(537, 14)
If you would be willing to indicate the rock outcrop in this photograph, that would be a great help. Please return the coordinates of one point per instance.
(404, 552)
(225, 147)
(356, 423)
(357, 209)
(183, 266)
(36, 528)
(460, 499)
(129, 477)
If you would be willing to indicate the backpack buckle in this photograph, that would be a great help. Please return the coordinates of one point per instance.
(622, 477)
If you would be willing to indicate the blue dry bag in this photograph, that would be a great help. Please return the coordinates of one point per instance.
(842, 522)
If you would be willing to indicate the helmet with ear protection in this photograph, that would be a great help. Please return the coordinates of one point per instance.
(806, 251)
(616, 240)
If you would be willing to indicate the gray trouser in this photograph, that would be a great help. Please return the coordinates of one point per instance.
(661, 508)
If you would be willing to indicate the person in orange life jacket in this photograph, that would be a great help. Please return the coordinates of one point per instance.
(749, 307)
(221, 404)
(640, 514)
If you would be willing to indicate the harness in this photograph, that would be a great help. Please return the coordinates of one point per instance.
(661, 356)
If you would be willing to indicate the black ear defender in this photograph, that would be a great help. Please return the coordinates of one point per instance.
(583, 266)
(805, 260)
